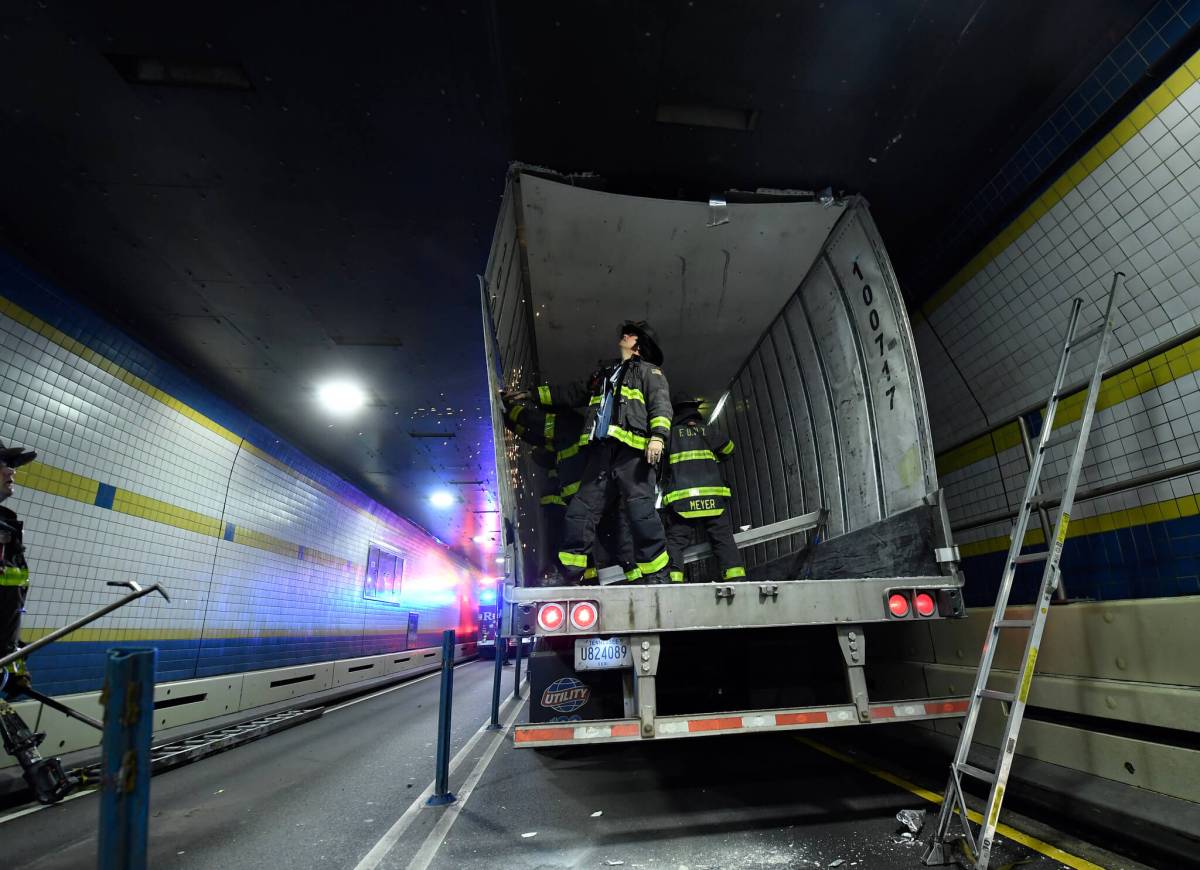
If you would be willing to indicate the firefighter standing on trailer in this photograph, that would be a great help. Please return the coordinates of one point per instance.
(45, 776)
(554, 437)
(628, 422)
(559, 450)
(694, 495)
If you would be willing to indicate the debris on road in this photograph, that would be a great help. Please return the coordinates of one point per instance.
(597, 814)
(914, 820)
(528, 834)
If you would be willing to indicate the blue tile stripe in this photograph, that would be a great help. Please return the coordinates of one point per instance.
(1163, 27)
(1149, 561)
(105, 495)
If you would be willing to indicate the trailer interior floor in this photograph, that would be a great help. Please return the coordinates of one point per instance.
(758, 801)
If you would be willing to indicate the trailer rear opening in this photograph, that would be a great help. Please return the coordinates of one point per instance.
(782, 310)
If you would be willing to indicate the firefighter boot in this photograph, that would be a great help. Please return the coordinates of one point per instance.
(45, 776)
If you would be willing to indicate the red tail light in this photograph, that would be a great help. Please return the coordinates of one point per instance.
(584, 615)
(897, 604)
(924, 604)
(551, 616)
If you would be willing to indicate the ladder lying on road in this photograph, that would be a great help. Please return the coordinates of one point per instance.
(981, 846)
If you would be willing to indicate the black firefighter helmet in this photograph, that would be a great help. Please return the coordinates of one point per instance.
(686, 407)
(14, 457)
(647, 340)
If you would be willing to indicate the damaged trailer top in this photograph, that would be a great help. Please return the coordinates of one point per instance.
(779, 309)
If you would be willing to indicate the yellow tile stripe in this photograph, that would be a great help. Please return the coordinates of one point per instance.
(325, 559)
(985, 446)
(56, 481)
(1175, 362)
(51, 333)
(1168, 509)
(261, 541)
(135, 505)
(35, 324)
(1011, 833)
(1145, 112)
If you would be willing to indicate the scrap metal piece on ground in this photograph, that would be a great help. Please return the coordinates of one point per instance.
(914, 820)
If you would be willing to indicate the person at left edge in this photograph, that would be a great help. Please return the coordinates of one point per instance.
(45, 776)
(14, 572)
(627, 425)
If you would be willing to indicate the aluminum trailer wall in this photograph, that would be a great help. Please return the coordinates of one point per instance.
(789, 303)
(832, 397)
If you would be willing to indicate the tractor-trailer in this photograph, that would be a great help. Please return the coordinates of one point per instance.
(781, 310)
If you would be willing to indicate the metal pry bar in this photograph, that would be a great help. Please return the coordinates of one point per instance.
(137, 592)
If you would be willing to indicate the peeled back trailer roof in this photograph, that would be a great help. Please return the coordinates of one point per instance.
(787, 303)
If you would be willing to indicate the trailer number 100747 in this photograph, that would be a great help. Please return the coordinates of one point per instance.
(602, 654)
(877, 336)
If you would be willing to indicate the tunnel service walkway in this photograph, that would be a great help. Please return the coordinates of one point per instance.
(344, 791)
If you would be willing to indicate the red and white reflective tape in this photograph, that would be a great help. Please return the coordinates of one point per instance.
(764, 720)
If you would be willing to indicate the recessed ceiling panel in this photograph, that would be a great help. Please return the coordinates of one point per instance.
(708, 279)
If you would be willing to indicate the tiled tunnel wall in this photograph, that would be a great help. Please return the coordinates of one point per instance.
(989, 343)
(142, 475)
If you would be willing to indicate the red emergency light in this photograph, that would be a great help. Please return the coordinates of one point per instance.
(551, 616)
(584, 615)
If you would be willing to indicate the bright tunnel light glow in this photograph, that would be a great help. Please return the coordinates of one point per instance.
(341, 397)
(441, 499)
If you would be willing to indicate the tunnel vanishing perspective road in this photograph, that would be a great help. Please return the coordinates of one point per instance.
(348, 790)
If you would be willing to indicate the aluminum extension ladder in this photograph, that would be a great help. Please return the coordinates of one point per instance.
(980, 845)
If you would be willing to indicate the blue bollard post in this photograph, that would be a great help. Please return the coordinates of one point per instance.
(128, 699)
(441, 789)
(517, 669)
(497, 668)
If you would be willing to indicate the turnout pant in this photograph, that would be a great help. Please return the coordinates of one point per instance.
(552, 526)
(12, 605)
(614, 542)
(614, 472)
(719, 531)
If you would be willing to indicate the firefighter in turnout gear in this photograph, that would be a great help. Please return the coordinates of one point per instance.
(694, 495)
(627, 425)
(50, 783)
(554, 437)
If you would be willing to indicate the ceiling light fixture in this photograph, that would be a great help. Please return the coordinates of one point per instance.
(720, 117)
(441, 499)
(341, 397)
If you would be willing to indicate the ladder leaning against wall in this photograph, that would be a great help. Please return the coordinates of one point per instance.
(953, 801)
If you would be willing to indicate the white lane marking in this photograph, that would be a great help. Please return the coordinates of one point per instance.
(437, 836)
(37, 808)
(380, 850)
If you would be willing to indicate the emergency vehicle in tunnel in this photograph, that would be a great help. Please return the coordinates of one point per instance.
(781, 310)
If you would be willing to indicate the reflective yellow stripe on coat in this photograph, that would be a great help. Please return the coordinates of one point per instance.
(13, 576)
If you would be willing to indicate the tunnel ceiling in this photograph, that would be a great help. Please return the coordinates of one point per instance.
(271, 195)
